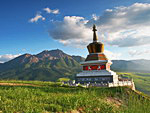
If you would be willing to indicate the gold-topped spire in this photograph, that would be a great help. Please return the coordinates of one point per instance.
(95, 46)
(95, 38)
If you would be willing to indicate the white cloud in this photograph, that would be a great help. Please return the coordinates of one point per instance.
(121, 26)
(72, 31)
(94, 17)
(133, 52)
(36, 18)
(125, 26)
(55, 11)
(48, 10)
(112, 56)
(7, 57)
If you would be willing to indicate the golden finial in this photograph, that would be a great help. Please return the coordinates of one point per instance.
(95, 38)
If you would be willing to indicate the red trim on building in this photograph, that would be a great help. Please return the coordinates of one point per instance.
(94, 67)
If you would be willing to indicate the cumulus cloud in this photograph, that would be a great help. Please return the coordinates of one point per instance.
(7, 57)
(121, 26)
(48, 10)
(36, 18)
(125, 26)
(71, 30)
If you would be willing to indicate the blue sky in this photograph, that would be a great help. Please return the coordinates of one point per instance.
(19, 35)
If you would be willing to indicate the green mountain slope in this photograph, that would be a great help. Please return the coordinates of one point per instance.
(47, 66)
(141, 80)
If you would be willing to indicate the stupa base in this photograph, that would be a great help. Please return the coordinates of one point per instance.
(97, 76)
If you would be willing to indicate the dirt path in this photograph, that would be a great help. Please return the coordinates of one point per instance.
(16, 84)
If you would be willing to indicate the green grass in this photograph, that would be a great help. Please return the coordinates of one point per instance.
(142, 81)
(51, 97)
(63, 79)
(38, 83)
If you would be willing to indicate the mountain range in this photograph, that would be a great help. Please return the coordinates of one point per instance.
(55, 64)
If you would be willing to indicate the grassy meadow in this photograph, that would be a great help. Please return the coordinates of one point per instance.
(141, 80)
(44, 97)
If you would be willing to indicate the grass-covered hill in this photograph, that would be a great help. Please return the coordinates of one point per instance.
(141, 80)
(47, 97)
(55, 64)
(47, 66)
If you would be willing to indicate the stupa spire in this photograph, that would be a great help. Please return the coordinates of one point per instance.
(95, 46)
(95, 38)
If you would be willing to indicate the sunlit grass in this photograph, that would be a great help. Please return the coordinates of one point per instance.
(141, 80)
(51, 97)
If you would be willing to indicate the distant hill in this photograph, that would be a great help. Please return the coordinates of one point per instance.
(131, 65)
(55, 64)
